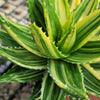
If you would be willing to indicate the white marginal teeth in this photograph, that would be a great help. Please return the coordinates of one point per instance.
(9, 27)
(41, 28)
(45, 33)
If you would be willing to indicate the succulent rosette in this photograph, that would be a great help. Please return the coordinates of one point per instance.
(59, 51)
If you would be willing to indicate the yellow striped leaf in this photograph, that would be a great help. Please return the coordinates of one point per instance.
(85, 8)
(6, 40)
(55, 13)
(74, 4)
(86, 29)
(21, 75)
(21, 34)
(50, 91)
(91, 79)
(68, 77)
(45, 45)
(67, 41)
(36, 13)
(62, 10)
(23, 58)
(89, 53)
(84, 56)
(91, 70)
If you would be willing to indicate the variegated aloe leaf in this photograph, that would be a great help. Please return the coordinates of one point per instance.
(68, 77)
(36, 13)
(67, 41)
(55, 13)
(73, 4)
(69, 24)
(6, 40)
(94, 44)
(96, 37)
(35, 95)
(44, 44)
(83, 56)
(20, 74)
(92, 70)
(23, 58)
(68, 35)
(20, 33)
(89, 53)
(96, 67)
(92, 78)
(50, 91)
(85, 8)
(86, 29)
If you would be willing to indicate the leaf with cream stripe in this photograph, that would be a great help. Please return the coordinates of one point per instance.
(83, 55)
(36, 93)
(23, 58)
(86, 29)
(68, 35)
(55, 13)
(92, 83)
(73, 4)
(6, 40)
(50, 91)
(20, 34)
(68, 77)
(20, 74)
(96, 67)
(67, 41)
(62, 10)
(85, 8)
(44, 44)
(36, 13)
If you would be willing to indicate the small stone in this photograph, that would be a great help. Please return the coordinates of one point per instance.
(25, 96)
(25, 89)
(11, 92)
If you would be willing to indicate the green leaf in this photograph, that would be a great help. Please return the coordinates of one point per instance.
(96, 67)
(85, 8)
(84, 56)
(93, 44)
(36, 12)
(20, 34)
(50, 91)
(19, 74)
(35, 95)
(46, 47)
(5, 39)
(68, 35)
(67, 41)
(86, 29)
(23, 58)
(92, 84)
(91, 70)
(52, 21)
(68, 25)
(73, 4)
(62, 10)
(68, 77)
(96, 37)
(55, 13)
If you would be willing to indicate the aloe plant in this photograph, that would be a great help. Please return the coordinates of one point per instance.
(59, 51)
